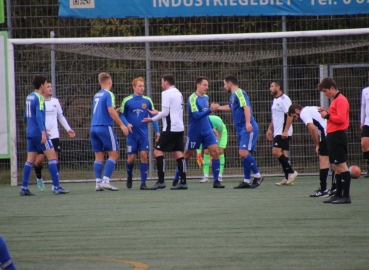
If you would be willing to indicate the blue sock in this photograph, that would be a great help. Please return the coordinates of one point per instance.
(246, 169)
(252, 163)
(215, 167)
(109, 167)
(98, 167)
(6, 261)
(143, 170)
(129, 168)
(176, 175)
(26, 173)
(54, 173)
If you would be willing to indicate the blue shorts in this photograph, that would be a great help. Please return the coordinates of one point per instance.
(103, 139)
(137, 144)
(34, 144)
(195, 140)
(247, 141)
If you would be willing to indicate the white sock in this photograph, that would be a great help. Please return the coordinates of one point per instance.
(98, 181)
(106, 180)
(257, 175)
(206, 175)
(246, 180)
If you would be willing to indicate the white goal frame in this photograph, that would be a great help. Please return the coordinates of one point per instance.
(141, 39)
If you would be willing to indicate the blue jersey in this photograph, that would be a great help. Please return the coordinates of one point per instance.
(35, 114)
(100, 104)
(133, 110)
(238, 100)
(198, 115)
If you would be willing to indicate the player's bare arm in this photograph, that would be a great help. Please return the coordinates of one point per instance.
(287, 127)
(269, 133)
(247, 112)
(114, 115)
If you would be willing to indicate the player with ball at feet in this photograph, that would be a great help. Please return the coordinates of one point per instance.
(337, 123)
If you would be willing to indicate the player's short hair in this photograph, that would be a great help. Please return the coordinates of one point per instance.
(231, 78)
(169, 78)
(327, 83)
(293, 107)
(200, 79)
(278, 83)
(103, 77)
(135, 81)
(38, 80)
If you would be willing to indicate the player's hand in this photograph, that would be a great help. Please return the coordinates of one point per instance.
(155, 112)
(214, 107)
(129, 126)
(361, 126)
(269, 135)
(216, 132)
(117, 109)
(200, 161)
(157, 137)
(317, 149)
(248, 127)
(147, 120)
(43, 137)
(71, 133)
(322, 112)
(48, 133)
(285, 135)
(124, 129)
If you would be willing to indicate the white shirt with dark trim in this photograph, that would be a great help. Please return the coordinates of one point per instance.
(364, 112)
(310, 114)
(54, 113)
(173, 99)
(280, 108)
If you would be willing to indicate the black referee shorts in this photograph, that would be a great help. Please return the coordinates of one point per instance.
(337, 146)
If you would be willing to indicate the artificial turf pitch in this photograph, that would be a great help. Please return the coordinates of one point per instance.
(268, 227)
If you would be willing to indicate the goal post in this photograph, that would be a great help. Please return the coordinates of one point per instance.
(225, 49)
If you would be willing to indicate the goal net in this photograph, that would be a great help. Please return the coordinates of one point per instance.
(256, 59)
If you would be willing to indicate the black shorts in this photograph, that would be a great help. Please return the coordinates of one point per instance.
(337, 146)
(56, 144)
(170, 141)
(323, 148)
(278, 142)
(365, 131)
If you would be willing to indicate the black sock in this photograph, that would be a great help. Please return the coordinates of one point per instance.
(38, 171)
(323, 175)
(339, 185)
(285, 165)
(334, 186)
(366, 157)
(57, 165)
(181, 163)
(346, 181)
(160, 165)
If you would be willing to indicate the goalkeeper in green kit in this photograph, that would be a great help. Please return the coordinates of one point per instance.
(220, 131)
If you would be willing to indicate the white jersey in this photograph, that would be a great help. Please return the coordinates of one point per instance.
(364, 112)
(173, 99)
(280, 108)
(310, 114)
(53, 112)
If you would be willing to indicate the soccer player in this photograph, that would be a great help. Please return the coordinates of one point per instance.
(280, 131)
(37, 137)
(102, 135)
(132, 111)
(53, 112)
(221, 132)
(171, 138)
(247, 130)
(317, 127)
(364, 125)
(338, 121)
(6, 261)
(200, 130)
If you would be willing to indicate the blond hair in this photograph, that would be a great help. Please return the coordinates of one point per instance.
(103, 77)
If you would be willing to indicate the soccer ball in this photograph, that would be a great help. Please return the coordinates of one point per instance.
(355, 171)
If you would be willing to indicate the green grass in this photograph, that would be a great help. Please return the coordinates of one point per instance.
(202, 228)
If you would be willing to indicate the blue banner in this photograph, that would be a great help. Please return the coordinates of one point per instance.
(196, 8)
